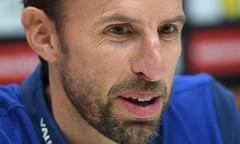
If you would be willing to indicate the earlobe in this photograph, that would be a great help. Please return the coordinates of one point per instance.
(40, 33)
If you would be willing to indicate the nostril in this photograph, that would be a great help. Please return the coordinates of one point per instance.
(150, 70)
(142, 75)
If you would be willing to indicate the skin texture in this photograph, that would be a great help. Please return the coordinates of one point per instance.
(106, 50)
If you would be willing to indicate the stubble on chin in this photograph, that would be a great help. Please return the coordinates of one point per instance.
(86, 98)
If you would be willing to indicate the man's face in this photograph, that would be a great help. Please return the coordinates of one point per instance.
(118, 58)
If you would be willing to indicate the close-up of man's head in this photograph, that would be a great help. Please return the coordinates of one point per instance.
(83, 43)
(116, 72)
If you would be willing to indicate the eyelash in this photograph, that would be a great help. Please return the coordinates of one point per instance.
(124, 31)
(166, 27)
(114, 29)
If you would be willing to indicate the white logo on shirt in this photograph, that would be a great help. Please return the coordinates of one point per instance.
(45, 133)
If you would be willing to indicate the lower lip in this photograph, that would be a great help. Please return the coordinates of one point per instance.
(141, 111)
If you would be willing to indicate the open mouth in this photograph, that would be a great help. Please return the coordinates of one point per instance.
(141, 101)
(141, 106)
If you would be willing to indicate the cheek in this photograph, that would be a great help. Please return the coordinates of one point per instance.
(105, 67)
(109, 69)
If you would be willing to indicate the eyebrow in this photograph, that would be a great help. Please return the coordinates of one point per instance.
(116, 18)
(123, 18)
(180, 18)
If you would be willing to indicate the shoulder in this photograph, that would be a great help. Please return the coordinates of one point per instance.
(12, 89)
(203, 91)
(191, 82)
(15, 126)
(192, 90)
(8, 96)
(201, 86)
(201, 107)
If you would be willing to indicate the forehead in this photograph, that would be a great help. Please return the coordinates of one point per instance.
(142, 10)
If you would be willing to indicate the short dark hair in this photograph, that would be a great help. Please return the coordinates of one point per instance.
(51, 9)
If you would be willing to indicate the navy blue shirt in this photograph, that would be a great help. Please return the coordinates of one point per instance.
(201, 111)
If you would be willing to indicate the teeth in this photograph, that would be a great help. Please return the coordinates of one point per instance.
(134, 98)
(149, 99)
(141, 100)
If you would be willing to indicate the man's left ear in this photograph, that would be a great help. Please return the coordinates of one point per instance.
(40, 33)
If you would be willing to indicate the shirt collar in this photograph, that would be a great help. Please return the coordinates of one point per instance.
(32, 97)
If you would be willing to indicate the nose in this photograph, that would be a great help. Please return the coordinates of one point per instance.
(149, 62)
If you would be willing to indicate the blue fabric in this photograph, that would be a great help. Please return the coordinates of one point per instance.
(225, 111)
(190, 117)
(31, 95)
(15, 125)
(201, 111)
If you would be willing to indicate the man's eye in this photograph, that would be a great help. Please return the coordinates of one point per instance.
(119, 30)
(167, 29)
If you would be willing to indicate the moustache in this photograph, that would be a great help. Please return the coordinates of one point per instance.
(139, 84)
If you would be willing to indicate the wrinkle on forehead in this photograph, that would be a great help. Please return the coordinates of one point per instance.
(153, 12)
(143, 10)
(149, 4)
(102, 6)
